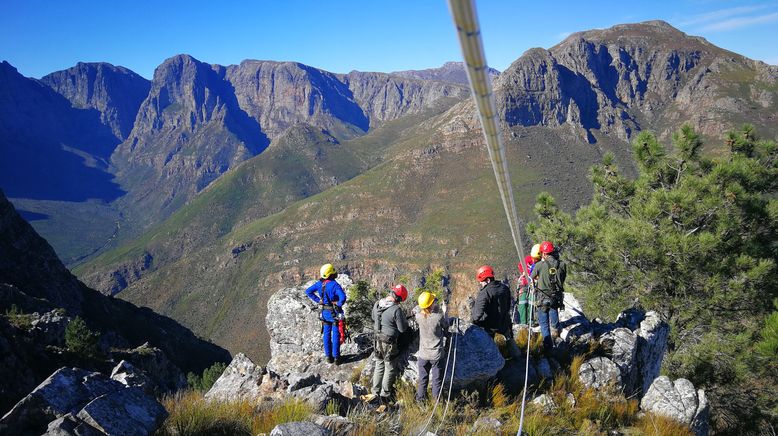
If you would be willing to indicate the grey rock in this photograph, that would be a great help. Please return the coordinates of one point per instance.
(163, 374)
(68, 425)
(128, 411)
(298, 381)
(240, 380)
(300, 429)
(65, 391)
(546, 403)
(126, 373)
(621, 345)
(486, 424)
(574, 325)
(449, 72)
(49, 328)
(653, 335)
(334, 423)
(319, 396)
(600, 372)
(678, 400)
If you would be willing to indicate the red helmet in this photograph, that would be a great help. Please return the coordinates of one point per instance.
(400, 291)
(546, 247)
(484, 273)
(528, 260)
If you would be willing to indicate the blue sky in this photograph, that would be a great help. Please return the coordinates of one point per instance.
(39, 37)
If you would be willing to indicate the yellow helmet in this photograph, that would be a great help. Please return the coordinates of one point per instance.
(327, 270)
(535, 252)
(426, 299)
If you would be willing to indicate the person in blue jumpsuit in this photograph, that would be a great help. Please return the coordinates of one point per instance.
(329, 295)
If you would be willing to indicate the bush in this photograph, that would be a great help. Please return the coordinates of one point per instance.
(204, 382)
(18, 319)
(80, 340)
(359, 306)
(190, 415)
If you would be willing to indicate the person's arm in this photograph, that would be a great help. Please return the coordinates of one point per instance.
(311, 292)
(535, 271)
(340, 294)
(402, 322)
(479, 308)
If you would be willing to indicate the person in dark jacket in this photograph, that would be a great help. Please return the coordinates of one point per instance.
(550, 274)
(389, 322)
(329, 295)
(492, 308)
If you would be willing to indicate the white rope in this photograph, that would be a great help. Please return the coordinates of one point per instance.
(469, 33)
(442, 382)
(451, 380)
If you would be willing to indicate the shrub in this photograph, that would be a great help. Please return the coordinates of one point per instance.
(204, 382)
(79, 339)
(17, 318)
(359, 306)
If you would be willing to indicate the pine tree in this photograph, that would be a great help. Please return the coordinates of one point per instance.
(691, 237)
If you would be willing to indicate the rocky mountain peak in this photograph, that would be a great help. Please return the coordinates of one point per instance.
(449, 72)
(114, 91)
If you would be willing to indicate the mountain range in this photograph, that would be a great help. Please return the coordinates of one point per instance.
(235, 181)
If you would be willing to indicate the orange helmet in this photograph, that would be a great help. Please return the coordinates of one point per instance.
(400, 291)
(546, 247)
(484, 273)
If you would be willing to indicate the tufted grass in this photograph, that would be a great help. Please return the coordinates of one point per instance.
(191, 415)
(657, 425)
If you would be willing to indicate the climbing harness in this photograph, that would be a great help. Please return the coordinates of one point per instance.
(468, 31)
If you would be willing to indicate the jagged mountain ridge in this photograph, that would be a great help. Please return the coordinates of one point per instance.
(429, 202)
(196, 122)
(449, 72)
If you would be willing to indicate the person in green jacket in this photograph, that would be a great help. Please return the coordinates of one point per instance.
(389, 322)
(550, 274)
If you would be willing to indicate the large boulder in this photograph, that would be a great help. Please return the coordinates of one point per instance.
(680, 401)
(296, 340)
(73, 401)
(163, 374)
(622, 346)
(652, 336)
(66, 391)
(600, 372)
(128, 375)
(49, 328)
(127, 411)
(241, 380)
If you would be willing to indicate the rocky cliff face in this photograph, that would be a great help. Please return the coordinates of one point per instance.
(633, 77)
(115, 92)
(39, 297)
(449, 72)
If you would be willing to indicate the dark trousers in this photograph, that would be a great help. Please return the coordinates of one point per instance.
(429, 368)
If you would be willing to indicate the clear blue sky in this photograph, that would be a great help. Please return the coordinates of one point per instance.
(39, 37)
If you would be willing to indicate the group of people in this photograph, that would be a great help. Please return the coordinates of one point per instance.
(494, 310)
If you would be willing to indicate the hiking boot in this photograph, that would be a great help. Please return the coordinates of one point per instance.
(330, 359)
(554, 333)
(338, 361)
(369, 398)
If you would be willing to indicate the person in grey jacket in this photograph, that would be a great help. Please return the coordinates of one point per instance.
(389, 323)
(433, 327)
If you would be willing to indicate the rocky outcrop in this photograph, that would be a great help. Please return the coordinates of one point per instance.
(680, 401)
(600, 372)
(240, 380)
(300, 429)
(74, 398)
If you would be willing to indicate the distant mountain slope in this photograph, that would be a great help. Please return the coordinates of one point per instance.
(119, 153)
(30, 272)
(449, 72)
(431, 201)
(115, 92)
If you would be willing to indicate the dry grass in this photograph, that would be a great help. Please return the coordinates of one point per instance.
(536, 349)
(657, 425)
(191, 415)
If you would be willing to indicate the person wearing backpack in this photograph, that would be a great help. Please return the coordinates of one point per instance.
(389, 322)
(492, 308)
(433, 328)
(329, 295)
(550, 274)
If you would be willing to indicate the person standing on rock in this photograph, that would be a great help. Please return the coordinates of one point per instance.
(550, 274)
(492, 308)
(389, 322)
(433, 327)
(329, 295)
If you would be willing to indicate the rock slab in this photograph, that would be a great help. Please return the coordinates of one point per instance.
(680, 401)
